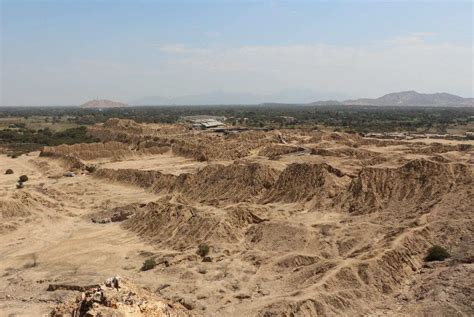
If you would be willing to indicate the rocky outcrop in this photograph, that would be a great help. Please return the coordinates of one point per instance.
(117, 297)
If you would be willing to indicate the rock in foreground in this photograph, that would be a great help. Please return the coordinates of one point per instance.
(118, 297)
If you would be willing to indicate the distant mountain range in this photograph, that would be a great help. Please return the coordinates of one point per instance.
(296, 96)
(406, 98)
(103, 103)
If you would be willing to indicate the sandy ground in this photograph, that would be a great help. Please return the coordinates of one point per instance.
(294, 247)
(67, 246)
(165, 163)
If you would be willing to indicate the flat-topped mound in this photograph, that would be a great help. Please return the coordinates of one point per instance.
(103, 103)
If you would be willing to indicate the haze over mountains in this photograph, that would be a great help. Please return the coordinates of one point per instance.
(406, 98)
(221, 97)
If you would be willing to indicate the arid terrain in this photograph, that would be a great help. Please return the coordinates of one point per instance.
(298, 223)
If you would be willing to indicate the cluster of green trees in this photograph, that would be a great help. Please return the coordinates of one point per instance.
(357, 118)
(21, 140)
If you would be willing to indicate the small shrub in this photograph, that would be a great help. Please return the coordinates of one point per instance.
(203, 250)
(201, 157)
(91, 168)
(9, 171)
(148, 264)
(23, 178)
(146, 253)
(437, 253)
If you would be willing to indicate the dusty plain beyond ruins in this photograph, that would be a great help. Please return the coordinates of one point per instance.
(298, 223)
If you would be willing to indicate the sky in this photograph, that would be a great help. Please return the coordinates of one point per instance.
(66, 52)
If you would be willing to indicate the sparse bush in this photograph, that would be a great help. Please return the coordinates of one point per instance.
(9, 171)
(437, 253)
(201, 157)
(203, 250)
(23, 178)
(91, 168)
(148, 264)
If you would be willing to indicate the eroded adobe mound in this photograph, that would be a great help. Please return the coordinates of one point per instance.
(90, 151)
(416, 183)
(153, 180)
(213, 183)
(179, 226)
(340, 138)
(17, 205)
(303, 182)
(439, 148)
(275, 150)
(367, 157)
(235, 182)
(76, 153)
(20, 207)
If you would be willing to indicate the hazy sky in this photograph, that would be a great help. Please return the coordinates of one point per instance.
(67, 52)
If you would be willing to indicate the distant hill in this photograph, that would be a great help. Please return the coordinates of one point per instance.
(406, 98)
(103, 103)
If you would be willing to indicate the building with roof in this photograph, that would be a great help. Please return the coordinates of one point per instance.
(204, 121)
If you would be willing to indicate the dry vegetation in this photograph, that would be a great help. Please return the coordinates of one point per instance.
(281, 223)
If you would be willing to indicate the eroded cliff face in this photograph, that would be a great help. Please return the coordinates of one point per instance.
(300, 182)
(414, 185)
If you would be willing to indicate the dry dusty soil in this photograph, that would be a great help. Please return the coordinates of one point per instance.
(298, 223)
